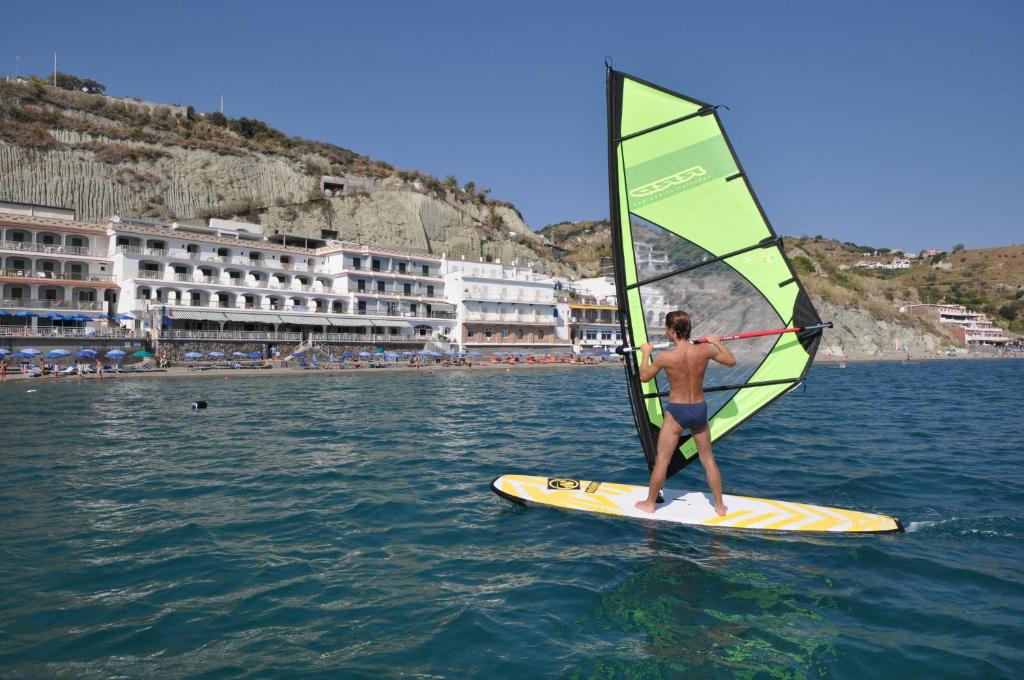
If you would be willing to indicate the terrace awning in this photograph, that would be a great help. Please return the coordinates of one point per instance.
(305, 319)
(349, 322)
(253, 317)
(197, 315)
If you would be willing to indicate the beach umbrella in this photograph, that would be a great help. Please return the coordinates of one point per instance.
(475, 354)
(25, 314)
(364, 354)
(346, 355)
(193, 355)
(55, 316)
(57, 354)
(217, 355)
(85, 354)
(255, 355)
(142, 354)
(4, 352)
(115, 354)
(123, 317)
(406, 354)
(390, 356)
(28, 353)
(423, 353)
(239, 354)
(4, 312)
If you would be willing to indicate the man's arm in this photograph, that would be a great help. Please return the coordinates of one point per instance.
(648, 368)
(720, 352)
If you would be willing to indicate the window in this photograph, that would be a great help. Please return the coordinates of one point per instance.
(426, 270)
(591, 335)
(362, 307)
(192, 248)
(86, 296)
(357, 263)
(519, 334)
(376, 265)
(360, 285)
(430, 291)
(380, 286)
(606, 335)
(505, 333)
(285, 259)
(540, 334)
(401, 267)
(49, 240)
(19, 237)
(412, 308)
(488, 333)
(470, 333)
(50, 294)
(618, 336)
(407, 289)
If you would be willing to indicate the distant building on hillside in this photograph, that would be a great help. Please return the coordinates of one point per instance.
(929, 252)
(895, 263)
(967, 326)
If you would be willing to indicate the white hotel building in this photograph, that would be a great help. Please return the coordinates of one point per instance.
(226, 281)
(503, 306)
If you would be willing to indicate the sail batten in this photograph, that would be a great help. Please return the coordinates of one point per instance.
(686, 236)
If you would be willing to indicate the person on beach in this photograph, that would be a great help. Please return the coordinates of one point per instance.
(3, 370)
(78, 370)
(42, 368)
(684, 366)
(99, 368)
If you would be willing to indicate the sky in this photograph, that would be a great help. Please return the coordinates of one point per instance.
(895, 124)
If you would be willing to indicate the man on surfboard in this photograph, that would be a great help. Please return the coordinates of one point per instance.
(684, 366)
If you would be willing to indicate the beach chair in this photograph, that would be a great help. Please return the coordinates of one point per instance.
(313, 362)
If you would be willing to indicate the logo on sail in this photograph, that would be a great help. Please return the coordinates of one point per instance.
(676, 179)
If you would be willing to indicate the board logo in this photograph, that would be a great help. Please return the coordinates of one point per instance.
(663, 183)
(592, 487)
(561, 484)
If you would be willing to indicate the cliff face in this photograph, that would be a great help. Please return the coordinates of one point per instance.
(857, 333)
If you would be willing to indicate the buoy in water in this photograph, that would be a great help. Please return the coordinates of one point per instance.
(197, 405)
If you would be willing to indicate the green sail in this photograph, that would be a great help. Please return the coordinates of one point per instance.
(688, 233)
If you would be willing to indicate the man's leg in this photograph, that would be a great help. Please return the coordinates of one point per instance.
(707, 459)
(668, 440)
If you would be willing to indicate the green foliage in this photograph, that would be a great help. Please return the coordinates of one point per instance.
(217, 118)
(251, 128)
(451, 182)
(958, 247)
(1010, 311)
(803, 265)
(67, 81)
(841, 278)
(938, 257)
(469, 187)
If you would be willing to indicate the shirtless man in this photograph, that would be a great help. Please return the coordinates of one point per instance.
(685, 366)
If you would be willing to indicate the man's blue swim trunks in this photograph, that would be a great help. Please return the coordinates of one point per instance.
(692, 417)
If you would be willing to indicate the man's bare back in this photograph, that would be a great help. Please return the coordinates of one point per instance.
(685, 366)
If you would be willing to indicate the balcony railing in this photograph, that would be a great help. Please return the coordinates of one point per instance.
(59, 332)
(30, 303)
(370, 338)
(229, 335)
(26, 247)
(66, 276)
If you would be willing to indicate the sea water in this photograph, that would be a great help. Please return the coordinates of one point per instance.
(343, 526)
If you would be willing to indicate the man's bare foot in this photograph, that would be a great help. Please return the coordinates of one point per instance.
(645, 506)
(721, 509)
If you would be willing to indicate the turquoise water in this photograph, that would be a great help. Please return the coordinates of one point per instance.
(343, 527)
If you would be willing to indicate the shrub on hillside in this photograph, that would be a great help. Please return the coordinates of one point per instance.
(32, 135)
(803, 265)
(121, 153)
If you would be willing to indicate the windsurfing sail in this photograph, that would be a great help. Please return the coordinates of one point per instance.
(688, 233)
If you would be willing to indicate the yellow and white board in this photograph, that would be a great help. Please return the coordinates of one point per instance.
(683, 507)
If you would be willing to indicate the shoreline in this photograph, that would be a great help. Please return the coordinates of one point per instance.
(178, 372)
(181, 372)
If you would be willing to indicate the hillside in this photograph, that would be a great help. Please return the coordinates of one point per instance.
(101, 155)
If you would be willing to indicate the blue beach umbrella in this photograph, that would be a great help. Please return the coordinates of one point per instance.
(364, 354)
(239, 354)
(57, 354)
(390, 356)
(255, 355)
(29, 352)
(406, 354)
(423, 353)
(217, 355)
(193, 355)
(25, 314)
(475, 354)
(346, 355)
(115, 354)
(55, 316)
(85, 354)
(4, 351)
(4, 312)
(123, 317)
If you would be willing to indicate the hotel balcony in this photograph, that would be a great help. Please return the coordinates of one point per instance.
(229, 335)
(536, 298)
(30, 303)
(357, 338)
(56, 276)
(102, 332)
(534, 319)
(392, 272)
(27, 247)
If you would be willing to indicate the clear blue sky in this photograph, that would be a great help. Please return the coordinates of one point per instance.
(896, 124)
